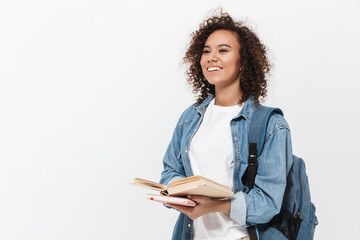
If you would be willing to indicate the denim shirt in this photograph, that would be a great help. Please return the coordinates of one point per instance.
(264, 200)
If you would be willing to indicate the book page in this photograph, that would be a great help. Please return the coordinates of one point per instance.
(184, 180)
(198, 185)
(148, 184)
(194, 179)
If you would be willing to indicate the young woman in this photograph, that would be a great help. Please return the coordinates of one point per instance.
(228, 68)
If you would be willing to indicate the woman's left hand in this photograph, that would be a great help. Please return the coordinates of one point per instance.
(204, 206)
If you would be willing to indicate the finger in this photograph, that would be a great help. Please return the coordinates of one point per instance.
(199, 198)
(185, 210)
(179, 207)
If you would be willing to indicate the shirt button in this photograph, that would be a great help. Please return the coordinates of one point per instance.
(186, 151)
(189, 225)
(235, 138)
(237, 163)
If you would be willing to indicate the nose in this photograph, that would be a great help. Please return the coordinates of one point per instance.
(213, 57)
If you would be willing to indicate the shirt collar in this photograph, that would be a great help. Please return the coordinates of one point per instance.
(202, 106)
(246, 112)
(248, 109)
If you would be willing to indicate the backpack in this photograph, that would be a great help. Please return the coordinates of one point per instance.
(298, 225)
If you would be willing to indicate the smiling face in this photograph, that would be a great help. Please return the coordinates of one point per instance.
(220, 61)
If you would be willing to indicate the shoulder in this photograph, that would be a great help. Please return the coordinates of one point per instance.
(277, 123)
(187, 115)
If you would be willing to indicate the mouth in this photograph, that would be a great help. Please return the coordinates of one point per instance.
(214, 69)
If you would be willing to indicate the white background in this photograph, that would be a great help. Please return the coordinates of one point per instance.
(90, 92)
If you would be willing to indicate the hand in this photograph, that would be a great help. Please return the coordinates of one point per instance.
(204, 206)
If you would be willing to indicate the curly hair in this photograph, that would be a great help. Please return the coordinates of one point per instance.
(255, 66)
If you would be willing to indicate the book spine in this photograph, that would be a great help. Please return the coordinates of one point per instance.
(164, 192)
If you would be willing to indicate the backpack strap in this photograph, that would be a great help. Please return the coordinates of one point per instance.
(258, 125)
(257, 133)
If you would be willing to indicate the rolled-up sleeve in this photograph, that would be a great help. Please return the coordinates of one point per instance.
(238, 209)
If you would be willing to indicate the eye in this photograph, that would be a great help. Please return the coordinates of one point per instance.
(223, 50)
(206, 51)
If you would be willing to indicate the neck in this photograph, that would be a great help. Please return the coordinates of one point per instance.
(229, 95)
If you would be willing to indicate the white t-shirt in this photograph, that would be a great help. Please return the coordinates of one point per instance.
(212, 156)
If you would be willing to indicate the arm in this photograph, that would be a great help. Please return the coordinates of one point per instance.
(172, 162)
(264, 201)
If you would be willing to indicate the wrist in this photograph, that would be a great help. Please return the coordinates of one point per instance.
(222, 206)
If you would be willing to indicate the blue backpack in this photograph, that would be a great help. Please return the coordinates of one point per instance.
(298, 225)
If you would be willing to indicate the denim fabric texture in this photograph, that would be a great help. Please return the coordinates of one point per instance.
(264, 201)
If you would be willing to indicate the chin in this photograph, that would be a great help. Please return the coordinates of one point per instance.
(213, 81)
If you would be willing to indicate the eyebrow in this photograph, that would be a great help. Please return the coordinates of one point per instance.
(220, 45)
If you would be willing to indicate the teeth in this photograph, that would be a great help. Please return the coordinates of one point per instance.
(211, 69)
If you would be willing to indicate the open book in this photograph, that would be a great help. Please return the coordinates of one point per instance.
(195, 185)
